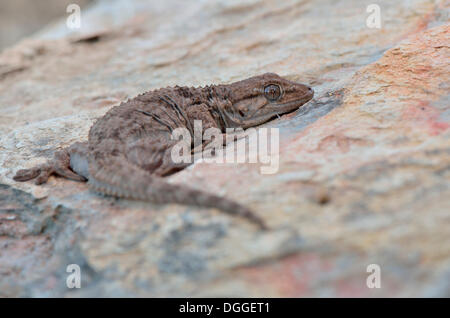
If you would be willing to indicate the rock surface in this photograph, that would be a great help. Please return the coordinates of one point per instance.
(364, 175)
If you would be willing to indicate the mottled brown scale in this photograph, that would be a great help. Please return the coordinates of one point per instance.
(128, 150)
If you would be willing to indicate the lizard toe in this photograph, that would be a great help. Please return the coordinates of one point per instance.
(26, 174)
(43, 176)
(69, 174)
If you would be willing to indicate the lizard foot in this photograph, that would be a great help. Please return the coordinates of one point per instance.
(60, 166)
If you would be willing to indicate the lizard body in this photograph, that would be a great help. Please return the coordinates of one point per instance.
(128, 152)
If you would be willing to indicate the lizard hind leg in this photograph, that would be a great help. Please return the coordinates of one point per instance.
(60, 165)
(168, 167)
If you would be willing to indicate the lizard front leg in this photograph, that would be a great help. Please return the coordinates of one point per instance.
(66, 163)
(224, 140)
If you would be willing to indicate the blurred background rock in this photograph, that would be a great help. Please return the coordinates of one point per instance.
(21, 18)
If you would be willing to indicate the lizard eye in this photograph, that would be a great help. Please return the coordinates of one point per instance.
(272, 92)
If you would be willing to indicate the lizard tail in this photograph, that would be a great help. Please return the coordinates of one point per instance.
(117, 177)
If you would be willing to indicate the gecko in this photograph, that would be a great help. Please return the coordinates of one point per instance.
(128, 151)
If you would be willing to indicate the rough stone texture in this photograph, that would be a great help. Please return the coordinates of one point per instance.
(364, 168)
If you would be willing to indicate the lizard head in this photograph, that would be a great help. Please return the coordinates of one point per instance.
(259, 99)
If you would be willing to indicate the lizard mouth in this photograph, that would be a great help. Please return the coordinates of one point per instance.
(282, 109)
(267, 112)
